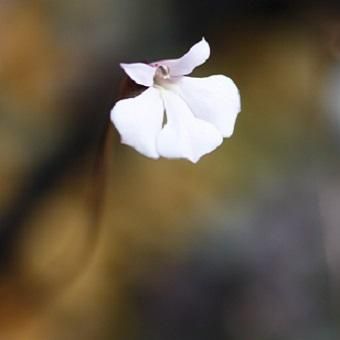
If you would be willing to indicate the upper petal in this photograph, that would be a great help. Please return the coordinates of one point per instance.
(185, 136)
(196, 56)
(139, 121)
(215, 99)
(142, 74)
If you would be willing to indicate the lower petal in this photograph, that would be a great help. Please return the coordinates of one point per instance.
(139, 121)
(214, 99)
(185, 136)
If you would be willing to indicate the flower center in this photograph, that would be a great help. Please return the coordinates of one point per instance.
(162, 73)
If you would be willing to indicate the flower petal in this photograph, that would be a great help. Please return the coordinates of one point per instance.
(185, 136)
(214, 99)
(139, 121)
(142, 74)
(196, 56)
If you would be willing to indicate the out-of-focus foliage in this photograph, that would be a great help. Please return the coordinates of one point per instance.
(98, 242)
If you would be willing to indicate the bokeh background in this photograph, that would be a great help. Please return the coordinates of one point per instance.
(99, 242)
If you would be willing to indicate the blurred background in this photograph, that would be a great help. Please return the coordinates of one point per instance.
(99, 242)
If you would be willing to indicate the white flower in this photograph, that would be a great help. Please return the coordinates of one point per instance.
(177, 116)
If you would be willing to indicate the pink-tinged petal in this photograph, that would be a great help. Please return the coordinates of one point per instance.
(183, 135)
(214, 99)
(197, 55)
(139, 121)
(142, 74)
